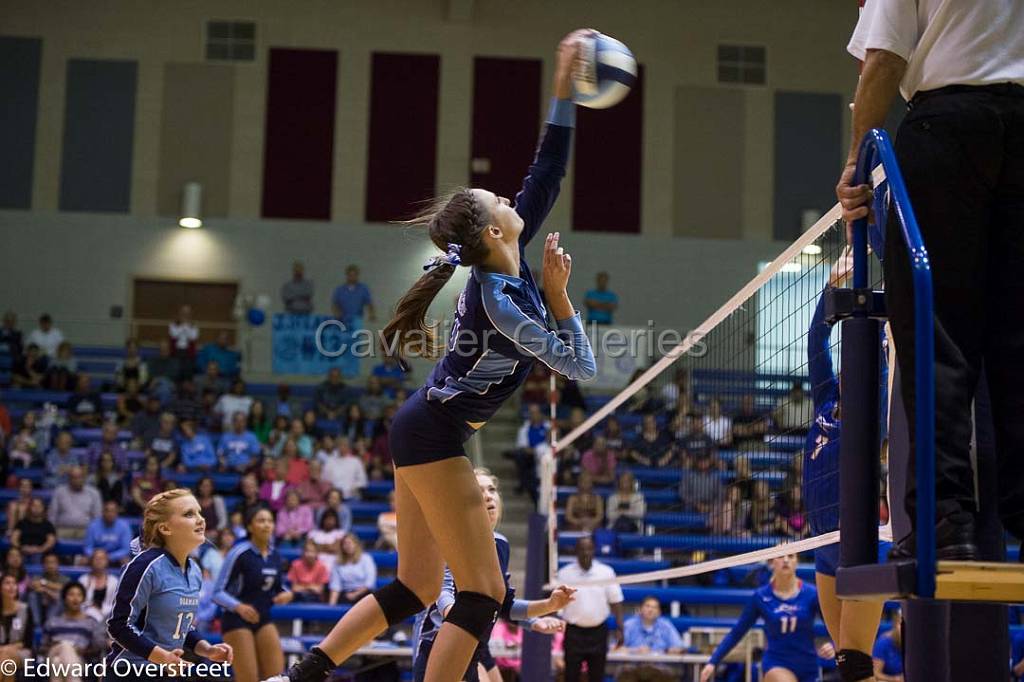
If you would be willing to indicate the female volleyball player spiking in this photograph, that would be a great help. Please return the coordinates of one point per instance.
(429, 621)
(158, 595)
(788, 608)
(499, 331)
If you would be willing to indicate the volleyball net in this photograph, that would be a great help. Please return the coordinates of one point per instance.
(718, 455)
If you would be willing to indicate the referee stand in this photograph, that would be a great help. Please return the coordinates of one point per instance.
(951, 609)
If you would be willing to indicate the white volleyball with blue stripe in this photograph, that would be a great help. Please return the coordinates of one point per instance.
(606, 73)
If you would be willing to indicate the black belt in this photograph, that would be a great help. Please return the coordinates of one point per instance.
(1004, 89)
(586, 629)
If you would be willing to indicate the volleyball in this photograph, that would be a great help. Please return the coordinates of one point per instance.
(606, 74)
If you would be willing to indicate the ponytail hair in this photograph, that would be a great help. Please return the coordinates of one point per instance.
(157, 511)
(458, 219)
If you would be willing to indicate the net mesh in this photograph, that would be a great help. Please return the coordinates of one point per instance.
(699, 464)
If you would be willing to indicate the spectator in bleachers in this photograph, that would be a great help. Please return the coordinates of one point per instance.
(649, 633)
(43, 594)
(702, 488)
(332, 396)
(210, 421)
(46, 336)
(718, 425)
(793, 412)
(183, 334)
(748, 425)
(292, 466)
(586, 617)
(259, 421)
(146, 424)
(327, 536)
(626, 506)
(532, 435)
(130, 402)
(60, 460)
(285, 405)
(599, 462)
(373, 400)
(186, 403)
(672, 394)
(274, 474)
(387, 527)
(313, 490)
(145, 485)
(731, 516)
(165, 371)
(221, 352)
(584, 510)
(10, 336)
(34, 535)
(132, 366)
(310, 426)
(74, 505)
(17, 509)
(196, 449)
(537, 386)
(308, 575)
(645, 400)
(164, 443)
(577, 416)
(697, 442)
(100, 586)
(614, 437)
(110, 441)
(62, 369)
(29, 369)
(601, 302)
(213, 557)
(654, 446)
(17, 628)
(351, 300)
(344, 471)
(250, 488)
(764, 514)
(239, 450)
(390, 373)
(887, 655)
(73, 637)
(356, 423)
(297, 293)
(743, 480)
(108, 478)
(380, 465)
(212, 379)
(792, 513)
(297, 434)
(354, 574)
(294, 520)
(232, 403)
(84, 408)
(111, 533)
(211, 505)
(24, 447)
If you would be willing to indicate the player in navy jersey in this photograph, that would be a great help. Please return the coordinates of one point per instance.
(248, 584)
(158, 595)
(788, 608)
(500, 330)
(429, 622)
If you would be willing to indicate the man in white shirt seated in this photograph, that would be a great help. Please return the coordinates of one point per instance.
(47, 337)
(344, 471)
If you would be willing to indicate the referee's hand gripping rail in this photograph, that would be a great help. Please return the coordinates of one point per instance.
(857, 577)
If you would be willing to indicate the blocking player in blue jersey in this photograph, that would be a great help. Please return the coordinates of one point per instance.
(788, 607)
(500, 330)
(248, 584)
(157, 598)
(429, 622)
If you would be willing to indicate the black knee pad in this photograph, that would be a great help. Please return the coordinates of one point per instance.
(398, 602)
(475, 613)
(854, 665)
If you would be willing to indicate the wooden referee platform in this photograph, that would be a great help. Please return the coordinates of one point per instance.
(976, 581)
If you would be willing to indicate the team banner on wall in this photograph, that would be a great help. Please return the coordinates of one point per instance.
(312, 344)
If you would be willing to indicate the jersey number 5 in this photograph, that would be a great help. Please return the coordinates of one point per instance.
(788, 624)
(186, 618)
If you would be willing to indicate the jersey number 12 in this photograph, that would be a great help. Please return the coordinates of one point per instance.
(183, 616)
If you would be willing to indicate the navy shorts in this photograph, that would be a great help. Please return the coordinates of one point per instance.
(423, 431)
(826, 559)
(230, 620)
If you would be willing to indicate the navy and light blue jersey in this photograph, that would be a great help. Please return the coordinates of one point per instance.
(788, 628)
(155, 605)
(821, 449)
(248, 577)
(500, 325)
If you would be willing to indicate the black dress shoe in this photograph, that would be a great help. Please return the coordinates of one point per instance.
(954, 541)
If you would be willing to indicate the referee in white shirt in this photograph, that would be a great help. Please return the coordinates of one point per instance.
(960, 66)
(586, 632)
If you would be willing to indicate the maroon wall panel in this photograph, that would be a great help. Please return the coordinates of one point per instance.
(298, 148)
(402, 154)
(506, 122)
(608, 165)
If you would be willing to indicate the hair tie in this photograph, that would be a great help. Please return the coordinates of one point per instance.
(451, 257)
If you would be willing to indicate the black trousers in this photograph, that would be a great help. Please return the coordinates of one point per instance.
(961, 151)
(585, 644)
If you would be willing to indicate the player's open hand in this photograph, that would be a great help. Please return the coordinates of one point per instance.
(567, 61)
(560, 597)
(548, 626)
(557, 266)
(218, 653)
(248, 613)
